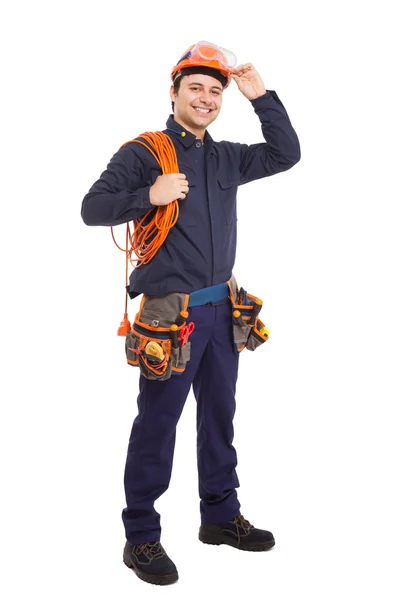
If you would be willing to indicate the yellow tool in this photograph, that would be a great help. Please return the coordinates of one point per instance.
(154, 349)
(264, 331)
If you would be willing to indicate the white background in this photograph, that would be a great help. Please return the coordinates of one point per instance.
(316, 425)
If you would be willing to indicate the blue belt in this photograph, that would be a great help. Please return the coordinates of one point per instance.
(213, 293)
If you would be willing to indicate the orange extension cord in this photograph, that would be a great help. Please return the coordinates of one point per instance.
(147, 239)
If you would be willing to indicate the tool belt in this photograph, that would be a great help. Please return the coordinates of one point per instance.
(248, 330)
(158, 340)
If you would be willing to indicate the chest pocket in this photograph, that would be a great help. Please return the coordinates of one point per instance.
(227, 193)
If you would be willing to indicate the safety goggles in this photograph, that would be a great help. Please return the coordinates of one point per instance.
(209, 52)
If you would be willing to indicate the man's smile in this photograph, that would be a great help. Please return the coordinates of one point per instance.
(201, 110)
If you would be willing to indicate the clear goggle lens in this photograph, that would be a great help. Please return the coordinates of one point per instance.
(209, 51)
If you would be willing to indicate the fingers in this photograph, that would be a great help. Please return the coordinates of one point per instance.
(184, 190)
(241, 69)
(184, 184)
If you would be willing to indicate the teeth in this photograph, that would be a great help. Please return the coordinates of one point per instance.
(202, 110)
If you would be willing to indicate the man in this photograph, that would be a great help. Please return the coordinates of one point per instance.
(197, 258)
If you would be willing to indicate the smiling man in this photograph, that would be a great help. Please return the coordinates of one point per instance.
(197, 99)
(194, 263)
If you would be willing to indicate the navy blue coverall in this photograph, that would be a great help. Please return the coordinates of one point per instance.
(199, 252)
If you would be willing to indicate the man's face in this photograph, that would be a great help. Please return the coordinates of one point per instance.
(198, 101)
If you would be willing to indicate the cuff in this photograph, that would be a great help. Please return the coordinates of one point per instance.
(265, 100)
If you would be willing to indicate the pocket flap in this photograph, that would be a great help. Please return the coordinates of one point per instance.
(225, 184)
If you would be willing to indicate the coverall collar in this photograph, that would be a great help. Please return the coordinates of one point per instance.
(187, 140)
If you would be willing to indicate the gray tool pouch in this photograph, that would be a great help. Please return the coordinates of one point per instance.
(246, 324)
(152, 329)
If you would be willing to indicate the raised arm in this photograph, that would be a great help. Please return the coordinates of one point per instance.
(282, 149)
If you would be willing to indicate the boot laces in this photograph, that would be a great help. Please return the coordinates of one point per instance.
(241, 522)
(152, 550)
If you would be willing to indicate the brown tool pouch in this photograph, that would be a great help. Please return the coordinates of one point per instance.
(151, 330)
(246, 326)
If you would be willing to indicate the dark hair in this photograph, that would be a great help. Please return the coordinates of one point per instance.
(177, 85)
(191, 71)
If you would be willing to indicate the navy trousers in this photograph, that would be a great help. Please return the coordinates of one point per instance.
(212, 370)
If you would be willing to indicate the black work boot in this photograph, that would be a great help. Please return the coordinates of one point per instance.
(151, 563)
(238, 533)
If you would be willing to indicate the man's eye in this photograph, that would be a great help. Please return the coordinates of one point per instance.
(195, 89)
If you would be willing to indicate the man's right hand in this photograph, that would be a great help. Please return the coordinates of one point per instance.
(168, 188)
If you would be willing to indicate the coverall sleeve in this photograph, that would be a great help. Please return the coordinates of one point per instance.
(281, 150)
(120, 195)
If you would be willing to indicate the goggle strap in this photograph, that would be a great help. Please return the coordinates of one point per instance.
(187, 55)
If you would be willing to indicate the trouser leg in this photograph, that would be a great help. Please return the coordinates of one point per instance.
(214, 387)
(152, 441)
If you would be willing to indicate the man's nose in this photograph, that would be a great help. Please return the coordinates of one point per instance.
(206, 98)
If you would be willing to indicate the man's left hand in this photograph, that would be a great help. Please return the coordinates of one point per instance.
(248, 81)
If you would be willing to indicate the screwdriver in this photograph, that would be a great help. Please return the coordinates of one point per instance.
(174, 335)
(183, 315)
(255, 312)
(238, 317)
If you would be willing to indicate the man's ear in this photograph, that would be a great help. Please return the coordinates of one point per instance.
(172, 93)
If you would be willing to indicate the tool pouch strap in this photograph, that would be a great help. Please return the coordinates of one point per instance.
(153, 323)
(247, 327)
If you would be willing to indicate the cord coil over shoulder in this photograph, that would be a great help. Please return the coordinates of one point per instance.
(149, 233)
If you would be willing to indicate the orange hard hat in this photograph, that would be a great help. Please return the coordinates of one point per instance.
(206, 54)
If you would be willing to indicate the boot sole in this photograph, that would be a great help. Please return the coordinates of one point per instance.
(217, 540)
(148, 577)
